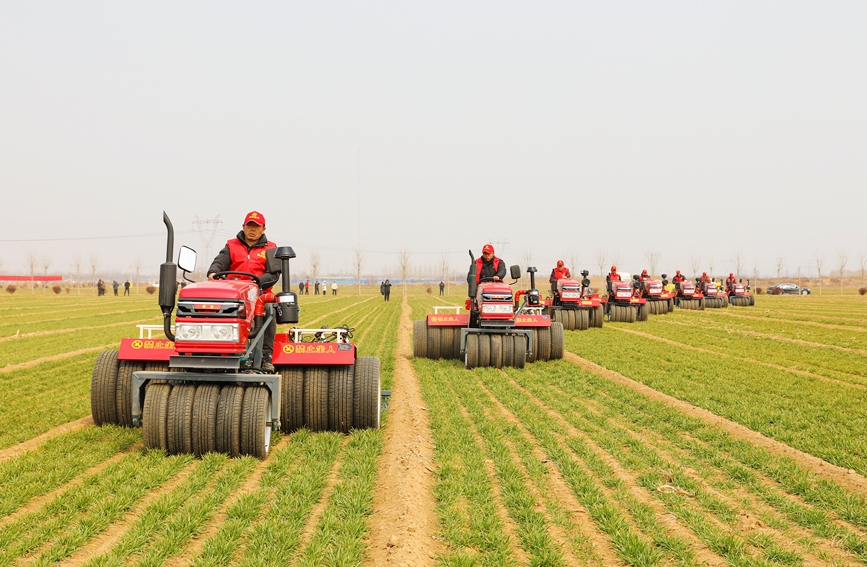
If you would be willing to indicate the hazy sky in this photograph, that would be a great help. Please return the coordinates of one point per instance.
(692, 129)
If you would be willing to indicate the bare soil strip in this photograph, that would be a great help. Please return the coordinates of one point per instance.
(750, 360)
(33, 443)
(74, 329)
(844, 477)
(61, 356)
(794, 322)
(404, 520)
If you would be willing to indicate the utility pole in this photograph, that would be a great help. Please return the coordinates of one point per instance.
(207, 229)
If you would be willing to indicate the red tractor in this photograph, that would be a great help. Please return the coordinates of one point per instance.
(688, 296)
(739, 294)
(659, 301)
(203, 390)
(573, 304)
(499, 330)
(624, 302)
(714, 298)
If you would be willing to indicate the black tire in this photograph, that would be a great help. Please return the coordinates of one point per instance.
(641, 312)
(471, 356)
(229, 420)
(670, 304)
(155, 413)
(752, 300)
(533, 345)
(256, 422)
(600, 317)
(484, 350)
(508, 350)
(723, 302)
(341, 399)
(456, 343)
(544, 343)
(556, 314)
(204, 425)
(103, 388)
(368, 393)
(123, 400)
(558, 344)
(519, 343)
(434, 342)
(582, 319)
(447, 341)
(292, 402)
(497, 351)
(700, 304)
(316, 398)
(419, 339)
(180, 418)
(156, 366)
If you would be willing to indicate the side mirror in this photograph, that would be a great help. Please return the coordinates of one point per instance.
(585, 282)
(585, 273)
(635, 277)
(664, 276)
(187, 259)
(515, 272)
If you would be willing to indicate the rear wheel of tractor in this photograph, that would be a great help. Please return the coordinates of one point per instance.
(124, 390)
(229, 420)
(368, 393)
(484, 350)
(471, 357)
(752, 300)
(434, 342)
(557, 341)
(508, 350)
(567, 319)
(180, 419)
(256, 422)
(630, 313)
(556, 314)
(519, 343)
(103, 388)
(723, 302)
(316, 398)
(497, 351)
(700, 305)
(582, 319)
(641, 312)
(292, 402)
(419, 339)
(600, 317)
(671, 305)
(341, 400)
(456, 343)
(448, 342)
(544, 343)
(155, 413)
(205, 419)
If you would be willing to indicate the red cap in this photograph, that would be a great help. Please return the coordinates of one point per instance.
(613, 268)
(255, 217)
(559, 263)
(487, 248)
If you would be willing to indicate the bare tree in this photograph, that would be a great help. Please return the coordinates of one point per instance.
(76, 264)
(573, 260)
(842, 258)
(94, 265)
(862, 266)
(359, 266)
(527, 259)
(780, 263)
(46, 265)
(710, 265)
(819, 260)
(32, 260)
(695, 264)
(600, 261)
(652, 257)
(137, 267)
(403, 259)
(315, 263)
(739, 262)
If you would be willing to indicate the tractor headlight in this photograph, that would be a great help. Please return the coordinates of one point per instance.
(206, 332)
(497, 308)
(221, 332)
(189, 332)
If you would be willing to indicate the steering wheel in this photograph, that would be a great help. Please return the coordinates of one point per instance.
(488, 280)
(222, 275)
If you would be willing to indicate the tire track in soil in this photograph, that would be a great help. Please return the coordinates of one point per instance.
(744, 359)
(318, 510)
(404, 520)
(31, 444)
(846, 478)
(668, 520)
(104, 541)
(796, 322)
(61, 356)
(75, 329)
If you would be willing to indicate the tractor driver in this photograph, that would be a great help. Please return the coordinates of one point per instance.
(678, 278)
(730, 281)
(489, 266)
(612, 276)
(559, 273)
(644, 276)
(249, 252)
(705, 278)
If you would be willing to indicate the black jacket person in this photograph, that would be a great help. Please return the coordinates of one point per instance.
(489, 266)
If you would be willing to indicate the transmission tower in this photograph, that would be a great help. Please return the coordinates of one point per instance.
(207, 229)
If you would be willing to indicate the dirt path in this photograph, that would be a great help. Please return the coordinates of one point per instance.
(404, 520)
(844, 477)
(33, 443)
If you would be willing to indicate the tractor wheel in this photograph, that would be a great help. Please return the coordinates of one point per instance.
(471, 357)
(180, 419)
(519, 343)
(256, 422)
(456, 343)
(612, 313)
(723, 302)
(582, 319)
(556, 314)
(205, 419)
(155, 416)
(229, 420)
(341, 400)
(103, 388)
(484, 350)
(419, 339)
(451, 347)
(544, 343)
(434, 341)
(316, 398)
(508, 350)
(292, 402)
(368, 393)
(156, 366)
(557, 341)
(573, 321)
(700, 305)
(533, 345)
(123, 401)
(752, 300)
(671, 305)
(641, 312)
(497, 351)
(600, 317)
(630, 313)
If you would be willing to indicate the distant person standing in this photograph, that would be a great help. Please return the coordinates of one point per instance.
(442, 288)
(126, 287)
(307, 287)
(100, 288)
(115, 286)
(386, 290)
(334, 287)
(300, 288)
(316, 287)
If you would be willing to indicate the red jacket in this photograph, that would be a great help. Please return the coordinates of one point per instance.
(499, 269)
(678, 278)
(236, 256)
(560, 273)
